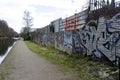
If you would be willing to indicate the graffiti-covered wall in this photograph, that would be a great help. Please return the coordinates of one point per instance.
(43, 37)
(99, 39)
(59, 40)
(68, 41)
(102, 40)
(63, 41)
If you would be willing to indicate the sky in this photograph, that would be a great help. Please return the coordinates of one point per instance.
(42, 11)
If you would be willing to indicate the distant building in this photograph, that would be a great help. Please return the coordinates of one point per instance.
(56, 24)
(76, 21)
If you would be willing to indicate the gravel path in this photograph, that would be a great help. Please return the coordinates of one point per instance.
(26, 65)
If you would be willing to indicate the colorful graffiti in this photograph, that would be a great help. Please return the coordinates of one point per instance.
(45, 39)
(68, 41)
(102, 40)
(91, 36)
(77, 42)
(99, 39)
(59, 40)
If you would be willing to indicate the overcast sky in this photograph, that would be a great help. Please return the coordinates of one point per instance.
(43, 11)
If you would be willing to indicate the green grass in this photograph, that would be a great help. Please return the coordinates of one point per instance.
(83, 66)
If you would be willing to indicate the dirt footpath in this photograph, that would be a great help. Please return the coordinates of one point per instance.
(26, 65)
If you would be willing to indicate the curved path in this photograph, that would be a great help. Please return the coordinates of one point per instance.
(26, 65)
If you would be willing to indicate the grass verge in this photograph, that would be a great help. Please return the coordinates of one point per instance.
(85, 68)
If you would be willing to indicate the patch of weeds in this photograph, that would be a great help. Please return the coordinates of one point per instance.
(113, 68)
(78, 56)
(96, 77)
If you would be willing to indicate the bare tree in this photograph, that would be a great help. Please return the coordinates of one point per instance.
(28, 23)
(28, 20)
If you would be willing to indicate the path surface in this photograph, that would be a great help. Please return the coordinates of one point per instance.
(26, 65)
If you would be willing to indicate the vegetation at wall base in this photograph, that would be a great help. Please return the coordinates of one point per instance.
(82, 66)
(26, 36)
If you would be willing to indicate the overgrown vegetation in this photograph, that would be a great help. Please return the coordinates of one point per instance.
(84, 67)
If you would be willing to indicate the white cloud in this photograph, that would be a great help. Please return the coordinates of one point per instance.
(43, 11)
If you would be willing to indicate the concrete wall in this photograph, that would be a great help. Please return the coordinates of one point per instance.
(99, 39)
(103, 40)
(59, 40)
(68, 41)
